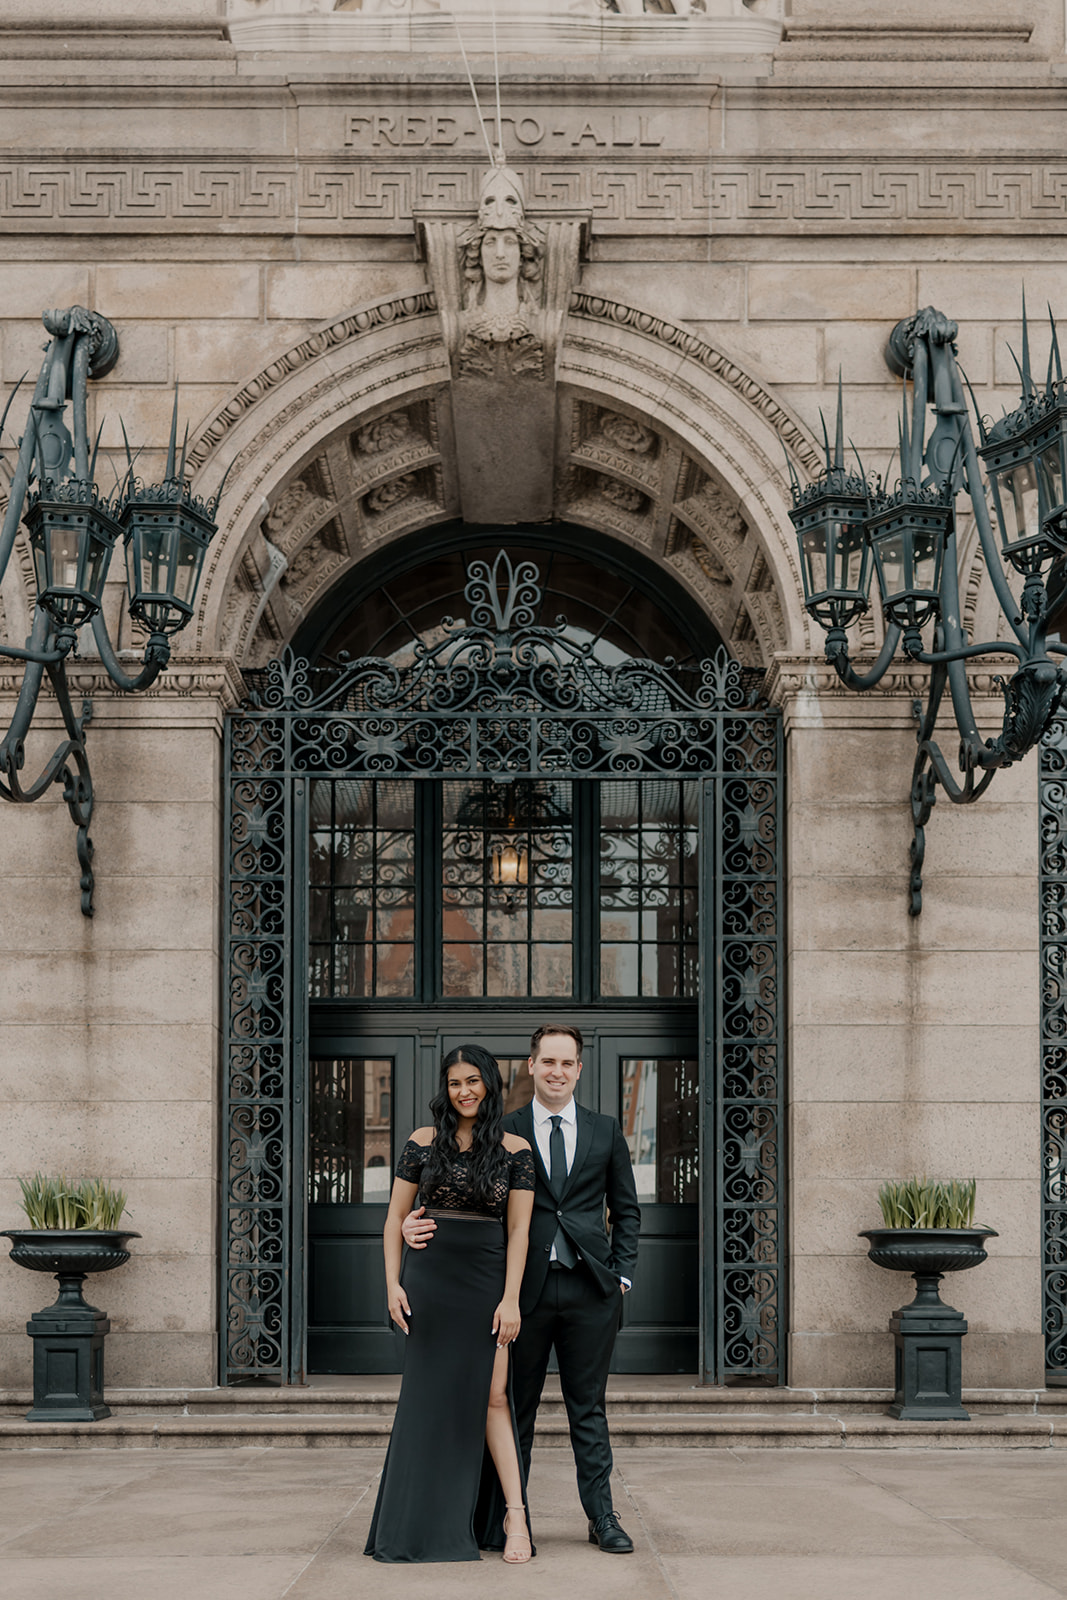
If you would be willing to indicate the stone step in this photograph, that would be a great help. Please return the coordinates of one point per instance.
(659, 1396)
(701, 1429)
(664, 1411)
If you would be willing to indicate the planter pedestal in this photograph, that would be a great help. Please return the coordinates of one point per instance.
(68, 1358)
(928, 1334)
(68, 1337)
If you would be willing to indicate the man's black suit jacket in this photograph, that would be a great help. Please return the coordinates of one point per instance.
(600, 1174)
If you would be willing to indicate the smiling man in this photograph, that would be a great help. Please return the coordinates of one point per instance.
(576, 1274)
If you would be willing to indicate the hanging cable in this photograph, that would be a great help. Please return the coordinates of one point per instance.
(496, 78)
(474, 92)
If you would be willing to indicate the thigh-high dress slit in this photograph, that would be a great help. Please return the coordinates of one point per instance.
(440, 1498)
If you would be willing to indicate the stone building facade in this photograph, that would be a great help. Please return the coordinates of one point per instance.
(735, 203)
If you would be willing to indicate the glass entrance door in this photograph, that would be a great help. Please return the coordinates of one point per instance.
(449, 911)
(360, 1091)
(369, 1090)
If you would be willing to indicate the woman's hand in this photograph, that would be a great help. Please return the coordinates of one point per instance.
(506, 1323)
(399, 1308)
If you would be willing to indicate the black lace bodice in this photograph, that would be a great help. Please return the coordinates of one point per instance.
(455, 1194)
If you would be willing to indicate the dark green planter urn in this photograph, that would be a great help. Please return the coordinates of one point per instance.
(928, 1334)
(68, 1336)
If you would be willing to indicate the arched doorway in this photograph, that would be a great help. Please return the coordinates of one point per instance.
(483, 823)
(445, 908)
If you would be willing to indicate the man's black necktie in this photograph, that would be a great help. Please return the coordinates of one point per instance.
(557, 1175)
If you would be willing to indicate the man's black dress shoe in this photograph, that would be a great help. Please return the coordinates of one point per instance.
(606, 1533)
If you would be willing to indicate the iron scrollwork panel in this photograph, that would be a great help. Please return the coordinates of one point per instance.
(256, 1151)
(502, 699)
(1053, 893)
(750, 1088)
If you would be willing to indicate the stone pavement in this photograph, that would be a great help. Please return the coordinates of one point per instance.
(263, 1524)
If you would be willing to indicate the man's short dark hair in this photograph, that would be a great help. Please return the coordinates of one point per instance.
(555, 1027)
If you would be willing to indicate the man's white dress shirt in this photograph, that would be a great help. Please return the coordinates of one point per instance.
(542, 1117)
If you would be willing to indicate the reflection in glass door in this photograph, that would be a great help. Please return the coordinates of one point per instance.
(658, 1107)
(352, 1098)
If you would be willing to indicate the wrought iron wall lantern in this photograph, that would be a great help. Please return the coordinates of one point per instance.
(73, 529)
(850, 527)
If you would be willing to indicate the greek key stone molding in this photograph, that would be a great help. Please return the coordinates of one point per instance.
(878, 193)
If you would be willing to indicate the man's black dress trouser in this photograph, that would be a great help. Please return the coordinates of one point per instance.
(582, 1323)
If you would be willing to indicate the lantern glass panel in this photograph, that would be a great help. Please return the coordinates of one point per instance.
(851, 554)
(187, 568)
(926, 560)
(816, 567)
(96, 566)
(1019, 503)
(1050, 475)
(64, 542)
(891, 555)
(155, 547)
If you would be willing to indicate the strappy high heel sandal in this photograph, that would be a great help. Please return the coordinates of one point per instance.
(516, 1557)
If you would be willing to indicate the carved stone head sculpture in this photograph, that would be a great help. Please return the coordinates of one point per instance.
(501, 256)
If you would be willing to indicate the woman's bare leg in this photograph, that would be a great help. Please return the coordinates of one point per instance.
(500, 1437)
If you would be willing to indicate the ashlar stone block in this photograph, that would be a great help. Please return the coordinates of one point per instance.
(319, 290)
(178, 289)
(800, 292)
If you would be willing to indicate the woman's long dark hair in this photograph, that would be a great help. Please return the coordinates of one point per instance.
(488, 1162)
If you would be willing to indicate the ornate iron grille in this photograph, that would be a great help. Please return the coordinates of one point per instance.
(1053, 869)
(501, 698)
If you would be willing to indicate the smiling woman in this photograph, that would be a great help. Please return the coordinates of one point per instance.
(459, 1305)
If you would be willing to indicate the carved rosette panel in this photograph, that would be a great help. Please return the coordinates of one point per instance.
(313, 565)
(408, 499)
(624, 475)
(394, 443)
(372, 481)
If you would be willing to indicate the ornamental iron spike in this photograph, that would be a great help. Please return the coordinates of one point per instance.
(96, 450)
(171, 447)
(905, 436)
(982, 430)
(1054, 355)
(1028, 382)
(839, 441)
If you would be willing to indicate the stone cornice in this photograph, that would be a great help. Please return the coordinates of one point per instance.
(217, 679)
(811, 694)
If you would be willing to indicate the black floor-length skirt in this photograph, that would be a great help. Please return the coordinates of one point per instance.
(440, 1498)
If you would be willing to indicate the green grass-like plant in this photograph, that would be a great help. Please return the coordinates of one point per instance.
(926, 1203)
(59, 1203)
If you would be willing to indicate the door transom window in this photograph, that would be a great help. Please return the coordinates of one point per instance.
(472, 889)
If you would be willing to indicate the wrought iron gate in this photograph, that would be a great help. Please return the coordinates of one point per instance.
(1053, 869)
(504, 699)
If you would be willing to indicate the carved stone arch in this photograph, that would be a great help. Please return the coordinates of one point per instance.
(706, 496)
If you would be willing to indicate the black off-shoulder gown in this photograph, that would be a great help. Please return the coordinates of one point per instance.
(440, 1497)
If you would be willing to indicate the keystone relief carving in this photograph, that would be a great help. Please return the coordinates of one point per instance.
(502, 285)
(501, 257)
